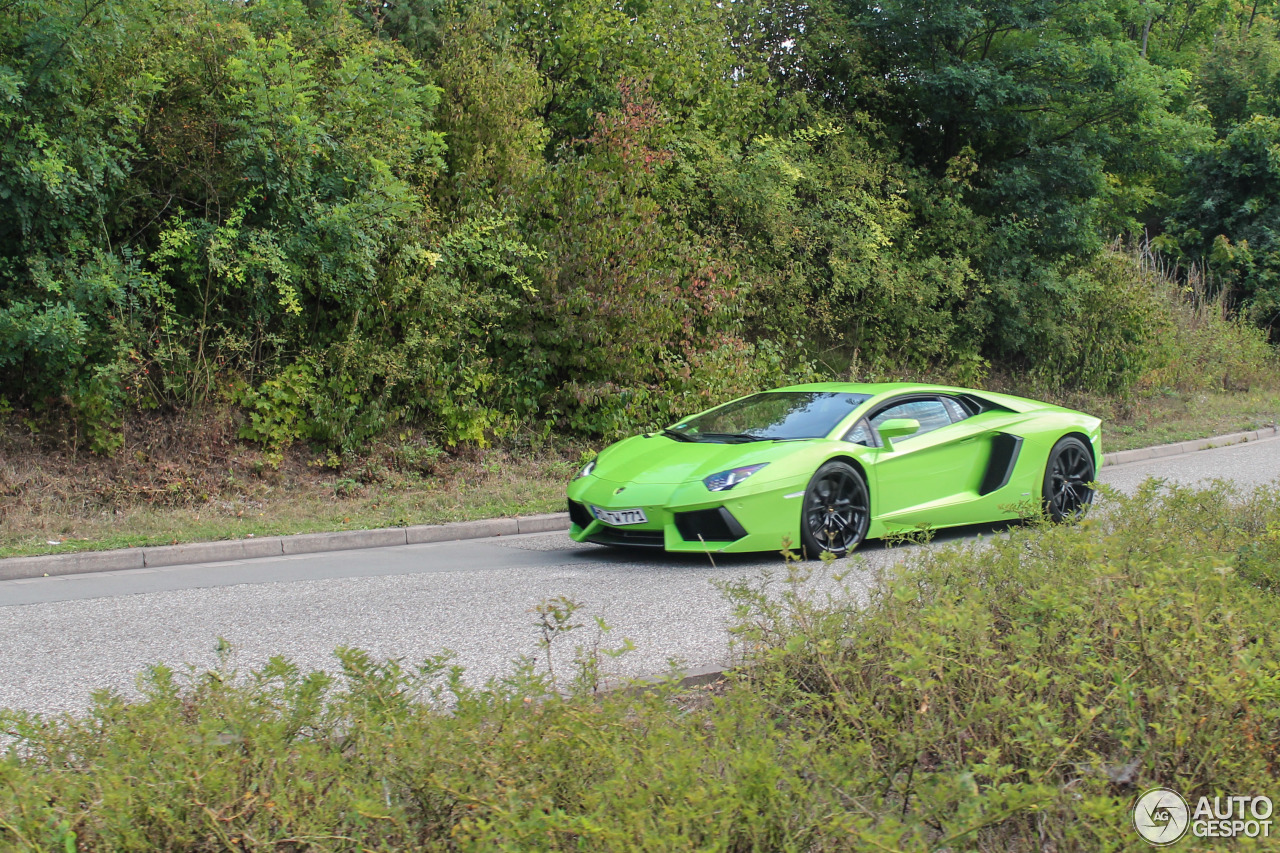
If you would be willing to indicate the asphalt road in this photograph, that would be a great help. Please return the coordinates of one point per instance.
(62, 638)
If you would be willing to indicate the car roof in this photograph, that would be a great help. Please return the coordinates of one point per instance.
(874, 389)
(878, 391)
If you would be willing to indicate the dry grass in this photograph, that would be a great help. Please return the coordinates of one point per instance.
(186, 479)
(1168, 418)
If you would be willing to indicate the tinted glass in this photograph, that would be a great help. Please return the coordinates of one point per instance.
(930, 413)
(860, 434)
(957, 411)
(777, 414)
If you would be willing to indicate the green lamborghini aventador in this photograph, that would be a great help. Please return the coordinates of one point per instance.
(824, 466)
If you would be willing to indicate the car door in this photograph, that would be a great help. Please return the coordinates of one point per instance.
(928, 476)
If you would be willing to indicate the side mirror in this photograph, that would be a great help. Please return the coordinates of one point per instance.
(897, 428)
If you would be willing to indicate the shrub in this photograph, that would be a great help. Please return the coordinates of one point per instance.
(1124, 323)
(279, 409)
(1205, 347)
(1091, 327)
(1016, 696)
(628, 304)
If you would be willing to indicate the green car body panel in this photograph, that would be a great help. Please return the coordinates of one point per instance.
(973, 470)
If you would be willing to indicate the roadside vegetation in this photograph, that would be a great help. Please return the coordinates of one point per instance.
(345, 220)
(1009, 696)
(187, 476)
(168, 494)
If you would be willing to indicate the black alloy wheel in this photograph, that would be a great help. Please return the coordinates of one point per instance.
(837, 510)
(1067, 475)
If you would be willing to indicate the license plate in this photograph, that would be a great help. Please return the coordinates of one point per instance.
(620, 517)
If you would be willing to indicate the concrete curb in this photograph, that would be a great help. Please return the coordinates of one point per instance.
(1142, 454)
(14, 568)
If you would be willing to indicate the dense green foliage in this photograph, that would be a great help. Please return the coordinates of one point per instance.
(587, 216)
(1013, 698)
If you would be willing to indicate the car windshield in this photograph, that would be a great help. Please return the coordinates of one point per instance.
(774, 415)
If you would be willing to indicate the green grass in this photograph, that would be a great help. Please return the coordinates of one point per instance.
(1014, 698)
(1168, 418)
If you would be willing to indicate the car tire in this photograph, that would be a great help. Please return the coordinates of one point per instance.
(1065, 493)
(836, 511)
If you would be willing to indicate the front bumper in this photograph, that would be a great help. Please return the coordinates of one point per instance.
(688, 518)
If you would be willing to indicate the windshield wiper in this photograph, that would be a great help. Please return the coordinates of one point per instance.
(678, 436)
(734, 437)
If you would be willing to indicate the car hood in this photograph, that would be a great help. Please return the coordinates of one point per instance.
(658, 459)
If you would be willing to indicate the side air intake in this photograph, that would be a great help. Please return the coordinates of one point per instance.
(579, 514)
(709, 525)
(1004, 456)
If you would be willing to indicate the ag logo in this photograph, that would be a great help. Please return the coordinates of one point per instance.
(1161, 816)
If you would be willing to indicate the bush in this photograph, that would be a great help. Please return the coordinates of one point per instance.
(1016, 696)
(225, 186)
(474, 219)
(851, 255)
(1205, 347)
(1124, 323)
(1091, 327)
(1012, 697)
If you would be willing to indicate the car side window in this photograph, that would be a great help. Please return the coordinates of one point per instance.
(931, 414)
(957, 411)
(861, 434)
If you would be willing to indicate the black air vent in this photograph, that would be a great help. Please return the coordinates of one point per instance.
(709, 525)
(634, 538)
(579, 514)
(1004, 456)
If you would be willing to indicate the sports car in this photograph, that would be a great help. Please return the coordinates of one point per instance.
(823, 466)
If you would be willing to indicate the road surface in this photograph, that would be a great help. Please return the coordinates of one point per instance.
(62, 638)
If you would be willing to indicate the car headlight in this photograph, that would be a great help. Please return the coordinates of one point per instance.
(586, 469)
(726, 480)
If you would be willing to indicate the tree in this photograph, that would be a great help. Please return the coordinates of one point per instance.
(1059, 112)
(1229, 214)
